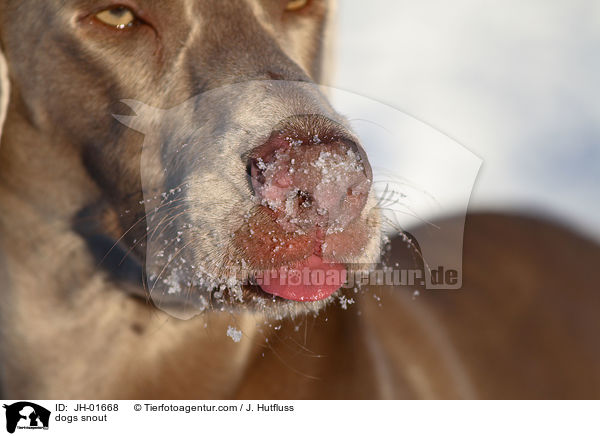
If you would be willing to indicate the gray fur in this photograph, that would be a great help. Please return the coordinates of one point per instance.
(220, 75)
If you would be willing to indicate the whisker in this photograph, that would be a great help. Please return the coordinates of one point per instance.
(130, 250)
(168, 263)
(143, 217)
(169, 218)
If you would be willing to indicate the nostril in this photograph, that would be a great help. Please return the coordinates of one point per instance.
(249, 175)
(305, 200)
(256, 175)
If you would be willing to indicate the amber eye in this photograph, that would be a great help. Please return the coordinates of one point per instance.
(118, 17)
(296, 5)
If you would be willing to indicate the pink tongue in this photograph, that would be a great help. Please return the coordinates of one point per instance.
(312, 280)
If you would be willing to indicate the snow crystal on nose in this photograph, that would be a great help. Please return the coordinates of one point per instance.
(273, 191)
(338, 168)
(309, 184)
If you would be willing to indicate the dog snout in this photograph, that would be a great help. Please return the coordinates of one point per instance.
(311, 180)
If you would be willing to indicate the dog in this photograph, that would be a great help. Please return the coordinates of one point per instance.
(231, 179)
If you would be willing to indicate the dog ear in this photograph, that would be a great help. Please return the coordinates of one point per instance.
(4, 90)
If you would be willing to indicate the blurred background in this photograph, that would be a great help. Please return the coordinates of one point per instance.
(516, 83)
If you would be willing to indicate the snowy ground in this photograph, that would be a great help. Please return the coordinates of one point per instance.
(517, 83)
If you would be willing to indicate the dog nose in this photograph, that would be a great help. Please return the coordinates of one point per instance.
(311, 181)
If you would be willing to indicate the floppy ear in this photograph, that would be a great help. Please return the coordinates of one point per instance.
(4, 90)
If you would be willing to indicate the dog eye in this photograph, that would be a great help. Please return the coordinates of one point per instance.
(296, 5)
(118, 17)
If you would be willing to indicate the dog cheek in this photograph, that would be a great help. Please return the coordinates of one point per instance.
(215, 212)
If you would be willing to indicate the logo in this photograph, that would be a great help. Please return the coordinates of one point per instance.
(25, 415)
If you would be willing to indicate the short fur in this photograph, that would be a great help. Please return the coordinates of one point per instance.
(72, 323)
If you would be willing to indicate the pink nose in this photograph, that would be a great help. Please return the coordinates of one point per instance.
(309, 183)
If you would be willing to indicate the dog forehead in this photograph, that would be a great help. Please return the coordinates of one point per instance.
(185, 8)
(185, 11)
